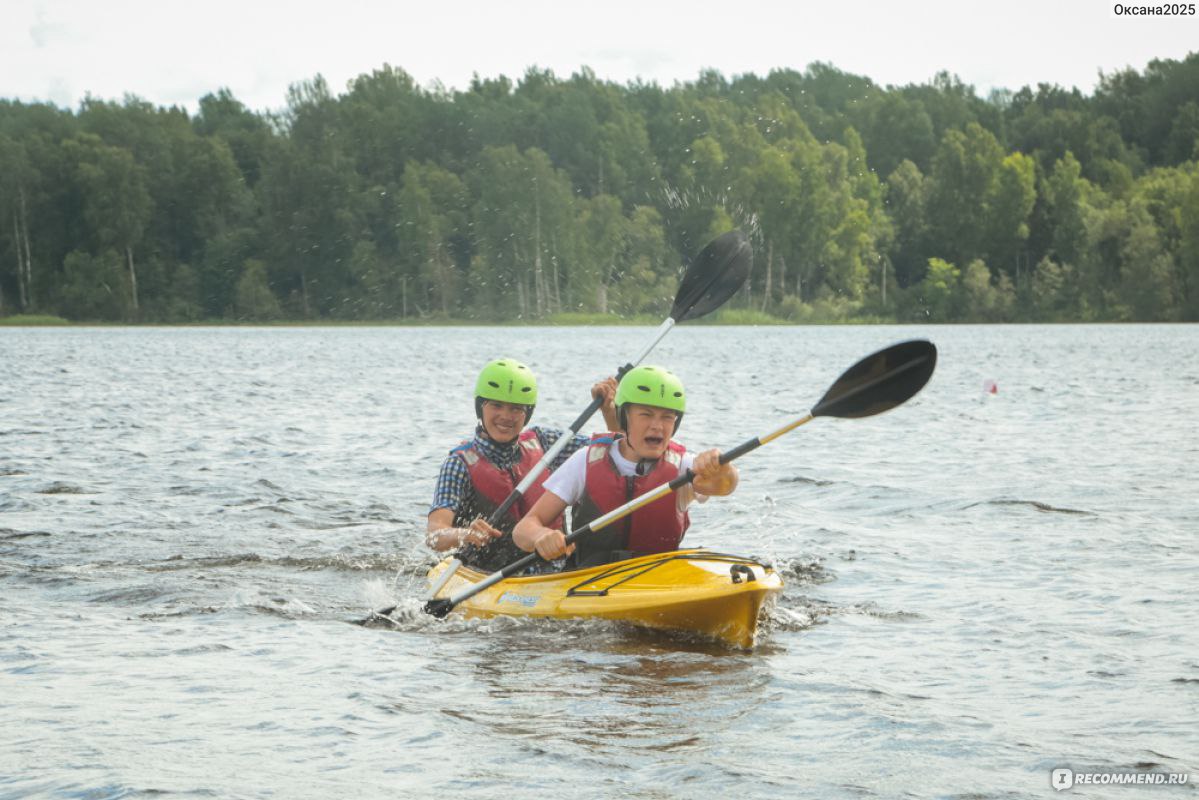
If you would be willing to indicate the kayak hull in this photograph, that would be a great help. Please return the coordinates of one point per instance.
(715, 595)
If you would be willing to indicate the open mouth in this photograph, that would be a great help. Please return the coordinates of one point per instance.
(655, 441)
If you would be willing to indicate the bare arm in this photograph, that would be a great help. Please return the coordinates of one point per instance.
(607, 389)
(533, 534)
(442, 536)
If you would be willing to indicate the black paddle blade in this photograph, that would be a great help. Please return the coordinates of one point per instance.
(438, 608)
(879, 382)
(382, 615)
(714, 276)
(377, 619)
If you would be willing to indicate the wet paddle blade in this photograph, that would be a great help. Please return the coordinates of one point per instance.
(715, 275)
(880, 382)
(439, 608)
(382, 613)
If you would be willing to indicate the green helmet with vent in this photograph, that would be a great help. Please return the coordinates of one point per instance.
(506, 381)
(651, 386)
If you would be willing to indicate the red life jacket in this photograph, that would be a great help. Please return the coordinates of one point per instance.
(655, 528)
(493, 484)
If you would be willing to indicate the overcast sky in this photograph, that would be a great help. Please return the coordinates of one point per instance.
(176, 51)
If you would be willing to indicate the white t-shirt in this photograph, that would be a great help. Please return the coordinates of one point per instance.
(569, 480)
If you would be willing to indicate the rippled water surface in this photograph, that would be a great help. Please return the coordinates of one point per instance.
(980, 587)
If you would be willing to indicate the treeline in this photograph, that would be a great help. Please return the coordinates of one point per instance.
(527, 200)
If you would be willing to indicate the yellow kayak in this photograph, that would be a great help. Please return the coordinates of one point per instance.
(694, 591)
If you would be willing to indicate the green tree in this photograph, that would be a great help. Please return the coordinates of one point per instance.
(818, 213)
(1054, 295)
(905, 203)
(897, 129)
(1065, 193)
(308, 193)
(17, 176)
(1126, 272)
(936, 294)
(771, 185)
(1008, 210)
(604, 240)
(1148, 105)
(432, 215)
(1183, 141)
(387, 118)
(522, 219)
(253, 300)
(527, 198)
(876, 231)
(94, 288)
(588, 130)
(1147, 270)
(983, 299)
(247, 135)
(965, 175)
(649, 280)
(116, 204)
(1188, 255)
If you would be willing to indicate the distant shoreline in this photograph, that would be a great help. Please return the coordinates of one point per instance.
(728, 317)
(589, 320)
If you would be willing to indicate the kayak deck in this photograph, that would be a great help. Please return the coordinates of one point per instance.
(694, 591)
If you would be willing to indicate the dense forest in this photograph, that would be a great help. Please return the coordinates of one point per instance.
(567, 199)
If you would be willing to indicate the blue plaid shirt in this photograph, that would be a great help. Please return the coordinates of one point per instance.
(454, 489)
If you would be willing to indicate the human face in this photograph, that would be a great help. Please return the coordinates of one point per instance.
(503, 421)
(649, 430)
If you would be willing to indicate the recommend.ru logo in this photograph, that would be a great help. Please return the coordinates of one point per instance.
(1064, 778)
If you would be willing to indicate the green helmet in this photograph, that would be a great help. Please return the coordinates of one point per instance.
(651, 386)
(507, 381)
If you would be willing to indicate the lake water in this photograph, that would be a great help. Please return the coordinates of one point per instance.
(980, 587)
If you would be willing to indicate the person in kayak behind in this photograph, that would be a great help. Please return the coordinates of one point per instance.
(479, 474)
(617, 467)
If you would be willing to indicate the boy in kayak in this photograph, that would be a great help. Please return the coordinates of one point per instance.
(479, 474)
(617, 467)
